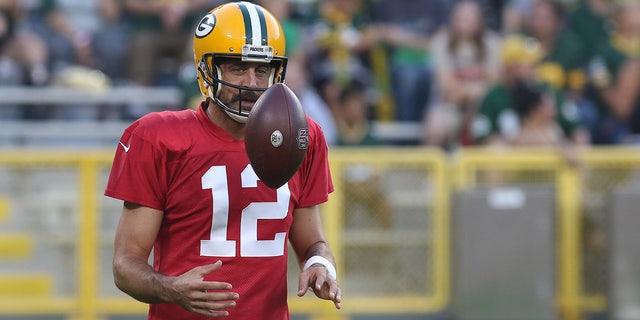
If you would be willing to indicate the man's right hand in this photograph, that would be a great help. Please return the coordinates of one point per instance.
(193, 293)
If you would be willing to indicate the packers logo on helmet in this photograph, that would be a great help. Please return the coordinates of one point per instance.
(206, 25)
(239, 30)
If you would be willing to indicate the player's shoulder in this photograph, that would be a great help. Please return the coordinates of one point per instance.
(315, 131)
(165, 129)
(158, 122)
(167, 117)
(313, 125)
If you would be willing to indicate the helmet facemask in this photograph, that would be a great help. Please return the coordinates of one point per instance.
(211, 74)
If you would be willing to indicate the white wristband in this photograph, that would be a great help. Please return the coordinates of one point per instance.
(323, 261)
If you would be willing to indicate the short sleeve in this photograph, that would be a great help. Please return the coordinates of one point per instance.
(137, 174)
(316, 183)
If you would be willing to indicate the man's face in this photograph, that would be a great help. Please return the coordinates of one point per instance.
(248, 74)
(628, 19)
(543, 21)
(521, 70)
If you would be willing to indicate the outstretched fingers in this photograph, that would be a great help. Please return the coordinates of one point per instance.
(207, 268)
(207, 298)
(303, 283)
(212, 308)
(336, 296)
(323, 285)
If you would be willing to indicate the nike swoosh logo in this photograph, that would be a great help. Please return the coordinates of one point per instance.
(125, 147)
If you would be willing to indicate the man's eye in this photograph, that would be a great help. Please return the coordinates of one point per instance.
(262, 71)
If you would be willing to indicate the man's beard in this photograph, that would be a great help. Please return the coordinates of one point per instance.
(244, 96)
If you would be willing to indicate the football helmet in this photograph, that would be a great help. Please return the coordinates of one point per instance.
(239, 30)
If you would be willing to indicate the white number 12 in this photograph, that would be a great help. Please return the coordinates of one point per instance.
(218, 245)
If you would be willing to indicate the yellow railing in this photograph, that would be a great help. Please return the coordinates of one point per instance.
(85, 304)
(571, 303)
(446, 173)
(431, 161)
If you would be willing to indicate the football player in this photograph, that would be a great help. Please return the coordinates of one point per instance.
(219, 236)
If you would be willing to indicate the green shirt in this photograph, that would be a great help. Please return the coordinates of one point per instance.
(154, 22)
(408, 56)
(590, 27)
(607, 59)
(497, 115)
(568, 51)
(613, 58)
(292, 35)
(562, 66)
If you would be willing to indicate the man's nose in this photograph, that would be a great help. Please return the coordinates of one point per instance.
(251, 80)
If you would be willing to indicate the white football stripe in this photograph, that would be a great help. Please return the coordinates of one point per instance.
(256, 39)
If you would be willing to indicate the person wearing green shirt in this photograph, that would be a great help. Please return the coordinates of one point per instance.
(590, 22)
(159, 33)
(614, 78)
(497, 121)
(564, 53)
(352, 117)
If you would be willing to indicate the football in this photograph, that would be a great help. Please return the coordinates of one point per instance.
(277, 135)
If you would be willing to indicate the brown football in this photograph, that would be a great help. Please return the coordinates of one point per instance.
(276, 136)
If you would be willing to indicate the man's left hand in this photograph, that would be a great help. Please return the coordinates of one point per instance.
(325, 287)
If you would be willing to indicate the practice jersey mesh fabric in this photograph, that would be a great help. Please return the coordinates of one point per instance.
(215, 207)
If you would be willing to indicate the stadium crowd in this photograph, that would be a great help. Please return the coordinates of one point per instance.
(518, 72)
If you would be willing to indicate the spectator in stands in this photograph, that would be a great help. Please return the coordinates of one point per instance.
(362, 181)
(90, 34)
(160, 33)
(406, 27)
(68, 26)
(81, 36)
(352, 116)
(110, 41)
(283, 10)
(590, 21)
(565, 55)
(497, 121)
(511, 15)
(614, 74)
(564, 52)
(339, 43)
(535, 106)
(314, 106)
(23, 55)
(466, 62)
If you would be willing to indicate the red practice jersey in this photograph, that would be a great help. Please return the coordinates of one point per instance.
(215, 207)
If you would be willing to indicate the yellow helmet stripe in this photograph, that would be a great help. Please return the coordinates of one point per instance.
(254, 23)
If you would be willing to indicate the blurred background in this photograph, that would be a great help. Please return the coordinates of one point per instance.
(485, 153)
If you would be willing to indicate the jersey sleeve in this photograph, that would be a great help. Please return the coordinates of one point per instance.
(315, 173)
(137, 172)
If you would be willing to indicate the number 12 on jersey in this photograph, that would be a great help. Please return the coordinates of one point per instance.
(215, 179)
